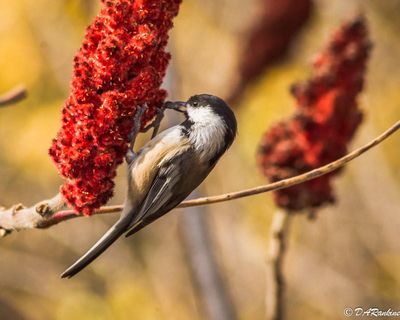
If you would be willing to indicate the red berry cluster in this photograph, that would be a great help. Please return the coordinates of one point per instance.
(326, 119)
(119, 67)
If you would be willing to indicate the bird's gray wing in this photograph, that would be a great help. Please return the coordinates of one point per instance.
(175, 180)
(161, 190)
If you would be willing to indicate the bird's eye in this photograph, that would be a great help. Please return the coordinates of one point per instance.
(195, 104)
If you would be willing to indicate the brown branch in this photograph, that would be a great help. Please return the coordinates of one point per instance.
(279, 184)
(41, 215)
(285, 183)
(275, 284)
(18, 217)
(13, 96)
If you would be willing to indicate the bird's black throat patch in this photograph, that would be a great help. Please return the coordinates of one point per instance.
(186, 127)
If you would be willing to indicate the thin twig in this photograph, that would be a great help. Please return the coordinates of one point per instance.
(13, 96)
(10, 219)
(275, 284)
(285, 183)
(279, 184)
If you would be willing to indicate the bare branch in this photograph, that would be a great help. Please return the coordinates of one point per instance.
(41, 215)
(285, 183)
(275, 282)
(13, 96)
(18, 218)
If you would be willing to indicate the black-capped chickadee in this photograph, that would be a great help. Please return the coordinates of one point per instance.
(169, 167)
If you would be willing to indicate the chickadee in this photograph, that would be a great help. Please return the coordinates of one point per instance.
(169, 167)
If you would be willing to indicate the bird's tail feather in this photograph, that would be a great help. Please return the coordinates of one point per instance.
(108, 239)
(136, 228)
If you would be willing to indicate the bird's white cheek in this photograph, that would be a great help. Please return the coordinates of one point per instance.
(208, 140)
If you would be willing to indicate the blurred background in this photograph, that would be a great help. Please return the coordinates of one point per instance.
(208, 262)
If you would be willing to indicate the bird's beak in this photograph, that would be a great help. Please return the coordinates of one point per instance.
(179, 106)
